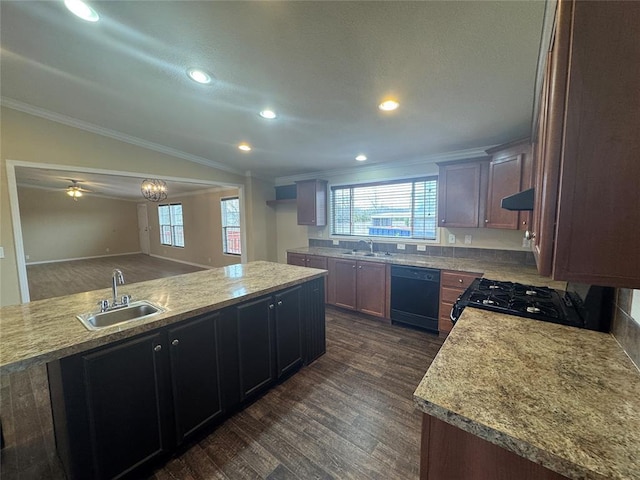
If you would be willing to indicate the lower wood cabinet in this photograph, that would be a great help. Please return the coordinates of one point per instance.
(119, 407)
(358, 285)
(448, 452)
(452, 285)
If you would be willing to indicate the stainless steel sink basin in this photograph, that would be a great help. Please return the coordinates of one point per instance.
(367, 254)
(117, 316)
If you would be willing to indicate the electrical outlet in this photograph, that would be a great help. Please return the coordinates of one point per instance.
(422, 248)
(336, 242)
(400, 246)
(27, 257)
(452, 238)
(107, 249)
(467, 239)
(1, 252)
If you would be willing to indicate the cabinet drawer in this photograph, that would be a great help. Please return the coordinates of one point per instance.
(450, 295)
(459, 280)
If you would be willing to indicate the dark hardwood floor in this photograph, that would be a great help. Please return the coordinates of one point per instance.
(349, 415)
(47, 280)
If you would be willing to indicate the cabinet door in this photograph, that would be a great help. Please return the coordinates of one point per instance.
(125, 400)
(255, 346)
(459, 201)
(371, 292)
(344, 283)
(193, 353)
(288, 328)
(314, 315)
(505, 176)
(312, 201)
(315, 261)
(296, 259)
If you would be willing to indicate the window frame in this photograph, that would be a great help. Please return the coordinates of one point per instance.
(225, 238)
(169, 230)
(390, 238)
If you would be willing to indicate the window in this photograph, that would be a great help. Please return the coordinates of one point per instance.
(231, 225)
(171, 226)
(405, 208)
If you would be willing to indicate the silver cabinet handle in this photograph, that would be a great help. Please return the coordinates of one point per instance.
(359, 266)
(442, 221)
(271, 306)
(486, 220)
(175, 342)
(157, 348)
(460, 280)
(280, 302)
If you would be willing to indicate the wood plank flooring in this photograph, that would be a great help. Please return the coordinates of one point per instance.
(47, 280)
(349, 415)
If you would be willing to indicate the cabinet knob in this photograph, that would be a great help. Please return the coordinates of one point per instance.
(442, 221)
(175, 342)
(524, 222)
(460, 280)
(271, 307)
(353, 266)
(157, 348)
(486, 220)
(279, 302)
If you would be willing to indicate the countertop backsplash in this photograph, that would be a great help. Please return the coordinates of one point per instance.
(625, 328)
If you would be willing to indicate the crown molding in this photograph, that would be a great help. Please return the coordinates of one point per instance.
(380, 167)
(105, 132)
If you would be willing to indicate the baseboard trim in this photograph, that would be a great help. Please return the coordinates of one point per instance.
(83, 258)
(181, 261)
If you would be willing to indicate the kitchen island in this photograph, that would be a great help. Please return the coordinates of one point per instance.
(566, 399)
(128, 396)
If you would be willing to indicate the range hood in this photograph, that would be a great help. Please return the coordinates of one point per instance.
(519, 201)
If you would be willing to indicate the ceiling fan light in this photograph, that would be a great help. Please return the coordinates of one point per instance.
(82, 10)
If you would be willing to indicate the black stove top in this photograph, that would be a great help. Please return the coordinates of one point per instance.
(540, 303)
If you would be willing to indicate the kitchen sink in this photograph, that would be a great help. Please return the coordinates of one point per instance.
(367, 254)
(120, 315)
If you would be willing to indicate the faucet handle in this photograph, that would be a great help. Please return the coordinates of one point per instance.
(104, 305)
(125, 300)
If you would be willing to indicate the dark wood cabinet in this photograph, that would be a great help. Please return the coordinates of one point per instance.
(462, 190)
(109, 408)
(288, 330)
(587, 197)
(195, 376)
(299, 259)
(510, 171)
(117, 408)
(358, 285)
(312, 202)
(255, 346)
(452, 285)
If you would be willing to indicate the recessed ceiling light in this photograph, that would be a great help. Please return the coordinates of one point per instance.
(361, 157)
(268, 114)
(245, 147)
(198, 75)
(388, 105)
(82, 10)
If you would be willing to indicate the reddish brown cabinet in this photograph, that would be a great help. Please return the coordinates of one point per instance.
(462, 190)
(358, 285)
(311, 261)
(587, 191)
(510, 171)
(312, 202)
(452, 285)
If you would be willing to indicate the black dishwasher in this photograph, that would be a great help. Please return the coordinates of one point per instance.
(415, 296)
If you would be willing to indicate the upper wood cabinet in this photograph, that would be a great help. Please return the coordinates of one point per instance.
(312, 202)
(510, 171)
(588, 188)
(462, 190)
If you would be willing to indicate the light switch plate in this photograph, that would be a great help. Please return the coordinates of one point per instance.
(452, 238)
(336, 242)
(422, 248)
(1, 252)
(467, 239)
(400, 246)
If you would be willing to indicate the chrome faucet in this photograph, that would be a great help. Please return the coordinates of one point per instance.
(370, 242)
(116, 278)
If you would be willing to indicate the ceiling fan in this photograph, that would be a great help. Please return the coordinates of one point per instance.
(74, 190)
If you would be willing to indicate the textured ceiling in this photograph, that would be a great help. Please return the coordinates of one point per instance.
(463, 72)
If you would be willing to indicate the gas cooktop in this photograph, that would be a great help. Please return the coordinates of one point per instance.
(540, 303)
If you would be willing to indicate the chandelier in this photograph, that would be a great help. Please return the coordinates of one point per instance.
(154, 190)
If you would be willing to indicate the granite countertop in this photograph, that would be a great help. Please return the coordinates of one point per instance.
(45, 330)
(566, 398)
(526, 274)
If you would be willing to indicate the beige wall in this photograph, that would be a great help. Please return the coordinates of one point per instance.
(261, 224)
(28, 138)
(202, 230)
(54, 227)
(290, 234)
